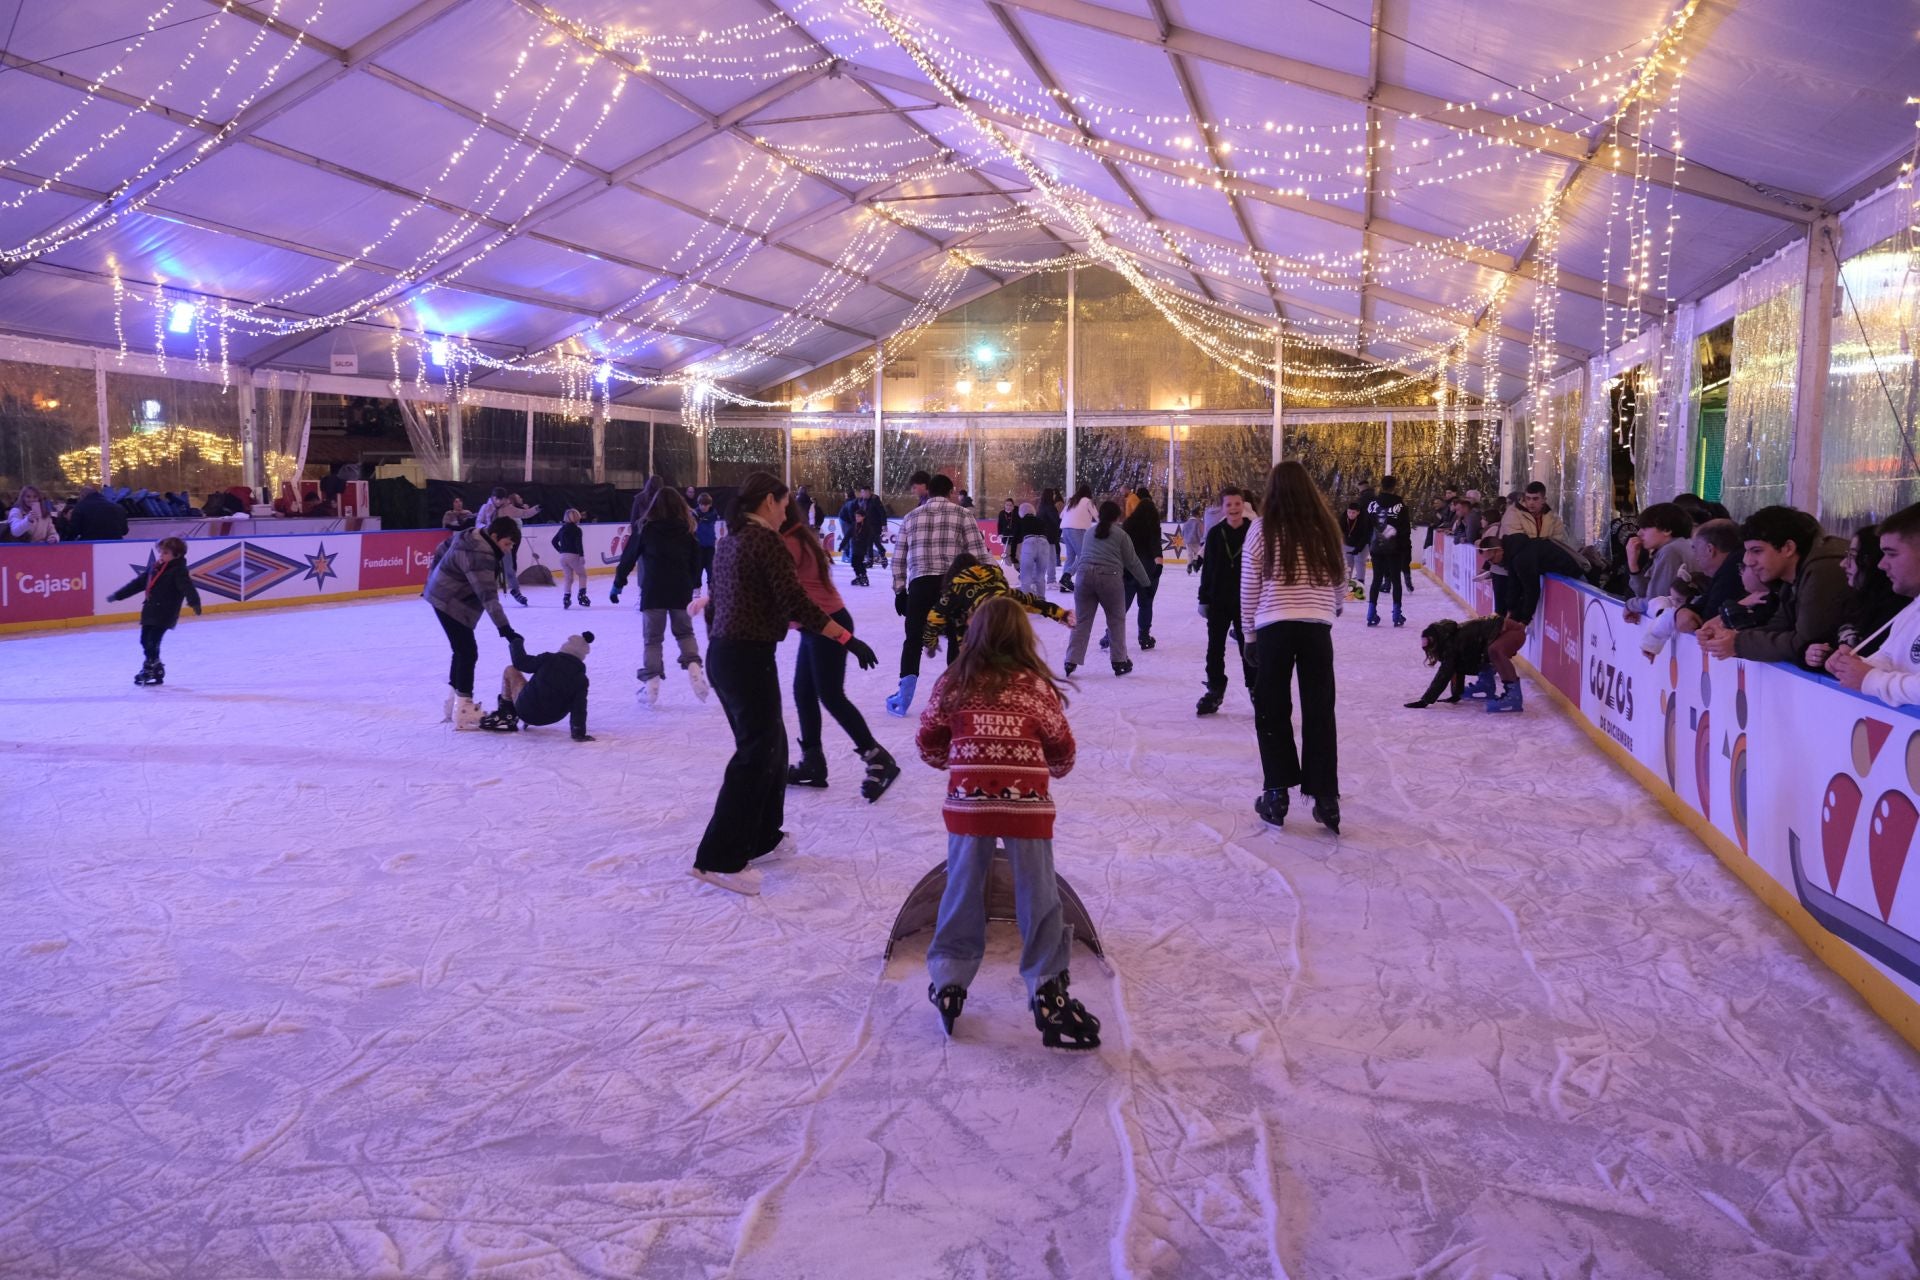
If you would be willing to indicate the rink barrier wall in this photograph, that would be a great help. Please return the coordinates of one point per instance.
(1803, 788)
(61, 585)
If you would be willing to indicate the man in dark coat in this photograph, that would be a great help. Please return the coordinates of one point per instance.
(1220, 599)
(96, 519)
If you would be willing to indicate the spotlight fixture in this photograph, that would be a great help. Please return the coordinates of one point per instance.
(180, 317)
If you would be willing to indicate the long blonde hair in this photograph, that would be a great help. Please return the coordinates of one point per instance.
(999, 648)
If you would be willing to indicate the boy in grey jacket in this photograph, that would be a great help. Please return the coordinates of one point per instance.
(1659, 556)
(465, 583)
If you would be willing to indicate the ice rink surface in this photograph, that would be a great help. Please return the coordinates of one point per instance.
(300, 983)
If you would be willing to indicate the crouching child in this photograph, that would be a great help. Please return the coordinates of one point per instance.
(1457, 650)
(543, 688)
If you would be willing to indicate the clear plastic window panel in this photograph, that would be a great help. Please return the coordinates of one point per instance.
(493, 444)
(1131, 358)
(1868, 450)
(1019, 463)
(1208, 459)
(1342, 457)
(49, 430)
(734, 453)
(1115, 460)
(562, 449)
(832, 462)
(1005, 352)
(1430, 455)
(627, 453)
(935, 450)
(675, 453)
(173, 436)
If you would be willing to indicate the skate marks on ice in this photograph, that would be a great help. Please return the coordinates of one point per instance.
(302, 984)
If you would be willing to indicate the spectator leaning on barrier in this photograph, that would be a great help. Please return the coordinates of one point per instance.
(1892, 672)
(95, 518)
(30, 519)
(1718, 551)
(1806, 568)
(1659, 556)
(1875, 602)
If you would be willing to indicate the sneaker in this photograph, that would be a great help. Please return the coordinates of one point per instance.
(745, 882)
(697, 677)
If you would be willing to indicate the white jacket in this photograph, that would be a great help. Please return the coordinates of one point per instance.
(1080, 515)
(1895, 678)
(31, 524)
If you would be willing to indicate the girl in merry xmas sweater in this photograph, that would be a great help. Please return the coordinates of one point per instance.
(998, 722)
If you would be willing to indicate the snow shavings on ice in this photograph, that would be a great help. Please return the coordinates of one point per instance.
(300, 983)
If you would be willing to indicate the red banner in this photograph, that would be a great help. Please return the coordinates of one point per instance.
(46, 583)
(400, 559)
(1560, 637)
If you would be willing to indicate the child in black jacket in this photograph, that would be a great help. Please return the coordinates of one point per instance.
(168, 585)
(554, 685)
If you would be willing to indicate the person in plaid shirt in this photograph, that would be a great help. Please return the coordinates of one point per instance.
(930, 537)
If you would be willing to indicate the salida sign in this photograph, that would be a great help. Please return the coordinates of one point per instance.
(46, 583)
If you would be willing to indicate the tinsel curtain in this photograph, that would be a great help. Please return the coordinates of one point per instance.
(1868, 447)
(289, 426)
(1661, 462)
(1766, 352)
(1589, 504)
(428, 439)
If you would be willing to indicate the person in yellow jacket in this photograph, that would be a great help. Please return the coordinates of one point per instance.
(968, 583)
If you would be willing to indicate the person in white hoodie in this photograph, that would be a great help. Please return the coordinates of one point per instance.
(1892, 672)
(31, 518)
(1074, 523)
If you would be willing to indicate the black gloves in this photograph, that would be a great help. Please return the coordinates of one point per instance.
(863, 652)
(508, 634)
(900, 603)
(1193, 565)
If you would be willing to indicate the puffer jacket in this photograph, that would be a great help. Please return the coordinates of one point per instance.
(465, 581)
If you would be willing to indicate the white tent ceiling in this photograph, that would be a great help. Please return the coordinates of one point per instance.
(649, 206)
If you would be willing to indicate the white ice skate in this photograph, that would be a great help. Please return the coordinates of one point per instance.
(745, 882)
(650, 692)
(697, 677)
(446, 710)
(466, 715)
(785, 849)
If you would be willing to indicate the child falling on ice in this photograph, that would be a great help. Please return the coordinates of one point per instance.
(968, 584)
(997, 720)
(544, 688)
(168, 585)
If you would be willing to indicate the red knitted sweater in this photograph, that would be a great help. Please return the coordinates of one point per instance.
(1000, 753)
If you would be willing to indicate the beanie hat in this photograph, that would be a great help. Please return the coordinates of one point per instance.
(576, 646)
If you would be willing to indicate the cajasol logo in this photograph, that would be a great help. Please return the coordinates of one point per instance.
(40, 584)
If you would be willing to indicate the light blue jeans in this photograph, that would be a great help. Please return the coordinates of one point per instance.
(1036, 564)
(1070, 540)
(960, 937)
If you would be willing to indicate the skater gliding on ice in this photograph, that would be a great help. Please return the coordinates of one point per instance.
(670, 560)
(573, 561)
(997, 720)
(168, 584)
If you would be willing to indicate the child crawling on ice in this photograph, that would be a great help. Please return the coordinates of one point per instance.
(168, 585)
(1457, 650)
(542, 688)
(997, 720)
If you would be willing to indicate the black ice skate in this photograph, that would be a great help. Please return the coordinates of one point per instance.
(811, 771)
(1272, 806)
(949, 1000)
(502, 719)
(1063, 1021)
(882, 769)
(1326, 812)
(145, 675)
(1123, 668)
(520, 597)
(1147, 641)
(566, 601)
(584, 602)
(1208, 704)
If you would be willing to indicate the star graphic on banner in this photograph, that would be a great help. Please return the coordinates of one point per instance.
(320, 566)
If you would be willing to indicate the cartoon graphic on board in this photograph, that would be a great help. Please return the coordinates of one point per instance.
(1737, 762)
(1703, 741)
(1892, 822)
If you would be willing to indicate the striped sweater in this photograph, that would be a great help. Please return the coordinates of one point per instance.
(1265, 600)
(1000, 753)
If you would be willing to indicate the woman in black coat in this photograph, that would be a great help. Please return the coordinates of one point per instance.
(1143, 527)
(669, 558)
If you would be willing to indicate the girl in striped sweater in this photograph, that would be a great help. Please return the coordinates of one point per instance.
(997, 720)
(1292, 575)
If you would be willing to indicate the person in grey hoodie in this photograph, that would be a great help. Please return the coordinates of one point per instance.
(1105, 555)
(463, 584)
(1659, 556)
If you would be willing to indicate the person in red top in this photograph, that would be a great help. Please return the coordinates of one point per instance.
(997, 722)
